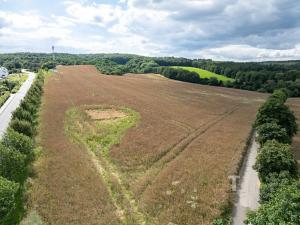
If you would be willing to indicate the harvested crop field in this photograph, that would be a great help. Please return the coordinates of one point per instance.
(171, 166)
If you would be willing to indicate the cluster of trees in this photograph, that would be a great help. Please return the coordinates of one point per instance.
(275, 164)
(134, 65)
(17, 152)
(263, 77)
(188, 76)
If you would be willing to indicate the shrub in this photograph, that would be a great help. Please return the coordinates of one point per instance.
(23, 127)
(272, 131)
(274, 111)
(8, 192)
(12, 164)
(280, 95)
(283, 208)
(26, 105)
(273, 183)
(18, 142)
(22, 114)
(275, 157)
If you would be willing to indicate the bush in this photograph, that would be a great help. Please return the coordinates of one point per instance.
(12, 164)
(18, 142)
(281, 95)
(8, 192)
(28, 106)
(282, 209)
(273, 183)
(22, 114)
(272, 131)
(23, 127)
(274, 111)
(275, 157)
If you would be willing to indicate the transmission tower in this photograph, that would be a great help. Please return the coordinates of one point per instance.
(53, 52)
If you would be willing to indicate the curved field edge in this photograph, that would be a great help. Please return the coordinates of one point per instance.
(204, 73)
(98, 136)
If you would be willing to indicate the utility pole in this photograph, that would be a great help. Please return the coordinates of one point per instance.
(53, 53)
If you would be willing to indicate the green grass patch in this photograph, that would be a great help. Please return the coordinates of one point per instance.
(18, 79)
(204, 73)
(98, 135)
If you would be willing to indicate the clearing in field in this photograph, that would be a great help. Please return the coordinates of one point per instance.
(137, 150)
(204, 73)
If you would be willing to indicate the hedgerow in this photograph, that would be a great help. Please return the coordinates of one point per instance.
(8, 192)
(274, 157)
(275, 164)
(17, 151)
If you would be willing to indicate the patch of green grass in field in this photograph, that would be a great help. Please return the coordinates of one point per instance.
(98, 135)
(204, 73)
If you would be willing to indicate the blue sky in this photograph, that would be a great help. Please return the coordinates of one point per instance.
(241, 30)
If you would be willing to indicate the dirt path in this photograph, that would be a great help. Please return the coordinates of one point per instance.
(248, 191)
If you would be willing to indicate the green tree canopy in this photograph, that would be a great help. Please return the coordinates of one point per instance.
(275, 157)
(282, 209)
(274, 111)
(272, 131)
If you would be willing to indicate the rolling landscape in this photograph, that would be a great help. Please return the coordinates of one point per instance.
(149, 113)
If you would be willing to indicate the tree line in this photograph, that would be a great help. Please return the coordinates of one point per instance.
(277, 169)
(253, 76)
(17, 151)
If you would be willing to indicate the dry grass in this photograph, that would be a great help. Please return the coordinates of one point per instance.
(173, 165)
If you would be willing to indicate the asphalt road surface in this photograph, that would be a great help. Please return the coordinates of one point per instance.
(13, 102)
(248, 190)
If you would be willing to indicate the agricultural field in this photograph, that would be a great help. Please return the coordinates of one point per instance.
(204, 73)
(137, 149)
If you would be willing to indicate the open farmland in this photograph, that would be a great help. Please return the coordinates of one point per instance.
(169, 164)
(204, 73)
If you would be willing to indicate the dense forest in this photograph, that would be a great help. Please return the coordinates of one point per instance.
(254, 76)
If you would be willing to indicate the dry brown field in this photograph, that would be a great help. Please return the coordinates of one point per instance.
(172, 167)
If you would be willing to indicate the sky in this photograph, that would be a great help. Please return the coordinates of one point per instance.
(237, 30)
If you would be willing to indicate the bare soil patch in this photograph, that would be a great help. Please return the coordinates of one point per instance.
(174, 165)
(105, 114)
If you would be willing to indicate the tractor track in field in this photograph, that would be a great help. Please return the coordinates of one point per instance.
(177, 149)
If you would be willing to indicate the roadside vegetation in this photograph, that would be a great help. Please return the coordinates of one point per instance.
(275, 164)
(10, 86)
(17, 149)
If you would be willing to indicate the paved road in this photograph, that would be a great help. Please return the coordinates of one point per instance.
(13, 102)
(248, 191)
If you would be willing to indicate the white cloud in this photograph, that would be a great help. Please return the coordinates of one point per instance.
(218, 29)
(248, 53)
(96, 14)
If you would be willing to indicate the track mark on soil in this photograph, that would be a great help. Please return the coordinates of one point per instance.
(173, 152)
